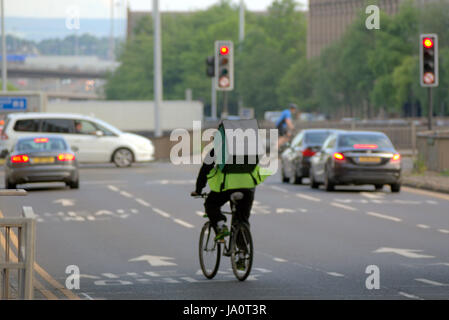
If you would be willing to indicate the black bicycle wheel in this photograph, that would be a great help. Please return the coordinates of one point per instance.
(209, 251)
(242, 252)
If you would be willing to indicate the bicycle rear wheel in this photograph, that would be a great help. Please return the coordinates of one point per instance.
(242, 252)
(209, 251)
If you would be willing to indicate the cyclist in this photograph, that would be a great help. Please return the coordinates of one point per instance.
(222, 186)
(285, 124)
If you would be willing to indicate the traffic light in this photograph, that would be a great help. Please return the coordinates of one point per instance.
(210, 63)
(224, 65)
(429, 60)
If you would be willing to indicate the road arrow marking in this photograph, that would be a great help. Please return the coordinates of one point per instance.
(65, 202)
(155, 261)
(409, 253)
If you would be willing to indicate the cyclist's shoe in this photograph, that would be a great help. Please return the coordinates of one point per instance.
(241, 264)
(222, 233)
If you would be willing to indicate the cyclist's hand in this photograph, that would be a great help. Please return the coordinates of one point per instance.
(194, 194)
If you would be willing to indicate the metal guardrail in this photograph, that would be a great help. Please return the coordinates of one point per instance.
(24, 260)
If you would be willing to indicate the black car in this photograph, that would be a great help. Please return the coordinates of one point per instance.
(296, 157)
(41, 159)
(357, 158)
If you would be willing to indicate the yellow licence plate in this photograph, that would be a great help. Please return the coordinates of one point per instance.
(370, 159)
(43, 160)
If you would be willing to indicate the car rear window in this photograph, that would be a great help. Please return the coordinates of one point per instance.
(317, 138)
(27, 125)
(40, 144)
(352, 140)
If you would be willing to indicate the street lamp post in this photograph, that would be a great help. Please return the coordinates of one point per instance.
(157, 69)
(4, 71)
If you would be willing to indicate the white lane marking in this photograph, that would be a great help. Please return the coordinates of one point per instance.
(143, 202)
(335, 274)
(183, 223)
(126, 194)
(433, 283)
(423, 226)
(371, 195)
(189, 279)
(303, 210)
(135, 211)
(87, 296)
(65, 202)
(152, 274)
(306, 197)
(441, 264)
(342, 206)
(284, 210)
(410, 296)
(431, 202)
(161, 213)
(279, 260)
(383, 216)
(200, 214)
(409, 253)
(113, 188)
(94, 182)
(279, 189)
(443, 231)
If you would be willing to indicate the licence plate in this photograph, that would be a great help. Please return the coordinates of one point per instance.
(43, 160)
(370, 159)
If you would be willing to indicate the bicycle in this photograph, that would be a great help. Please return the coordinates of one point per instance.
(239, 245)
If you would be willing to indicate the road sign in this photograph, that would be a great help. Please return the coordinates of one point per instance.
(13, 104)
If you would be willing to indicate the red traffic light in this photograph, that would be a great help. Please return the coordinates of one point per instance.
(224, 50)
(428, 43)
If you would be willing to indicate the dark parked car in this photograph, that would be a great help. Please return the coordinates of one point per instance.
(296, 157)
(357, 158)
(41, 159)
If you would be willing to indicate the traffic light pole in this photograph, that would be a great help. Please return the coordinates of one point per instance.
(430, 108)
(225, 112)
(214, 99)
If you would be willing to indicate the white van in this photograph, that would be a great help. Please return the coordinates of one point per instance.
(93, 140)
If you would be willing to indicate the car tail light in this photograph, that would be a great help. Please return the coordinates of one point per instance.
(366, 146)
(23, 158)
(41, 140)
(396, 157)
(3, 136)
(66, 157)
(339, 156)
(308, 153)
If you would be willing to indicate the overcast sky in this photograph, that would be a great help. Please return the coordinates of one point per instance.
(100, 8)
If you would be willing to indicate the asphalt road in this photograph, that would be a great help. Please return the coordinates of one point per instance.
(309, 244)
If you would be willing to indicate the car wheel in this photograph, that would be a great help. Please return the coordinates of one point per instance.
(396, 187)
(74, 184)
(313, 183)
(328, 184)
(294, 179)
(9, 185)
(283, 177)
(123, 158)
(379, 187)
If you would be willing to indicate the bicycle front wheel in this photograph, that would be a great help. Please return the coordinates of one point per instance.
(209, 251)
(242, 252)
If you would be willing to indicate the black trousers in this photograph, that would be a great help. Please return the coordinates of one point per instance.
(216, 200)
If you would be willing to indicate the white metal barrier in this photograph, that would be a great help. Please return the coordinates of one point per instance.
(24, 241)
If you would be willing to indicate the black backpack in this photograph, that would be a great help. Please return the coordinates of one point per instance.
(238, 146)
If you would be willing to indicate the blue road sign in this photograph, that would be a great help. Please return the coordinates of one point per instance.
(13, 104)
